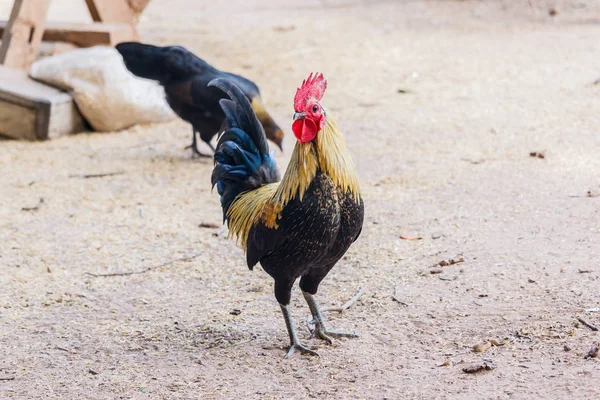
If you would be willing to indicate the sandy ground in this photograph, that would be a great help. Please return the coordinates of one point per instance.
(448, 161)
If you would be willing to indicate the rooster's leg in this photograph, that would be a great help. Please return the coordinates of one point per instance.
(320, 329)
(294, 341)
(194, 146)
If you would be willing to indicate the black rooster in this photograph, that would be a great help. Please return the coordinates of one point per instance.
(185, 78)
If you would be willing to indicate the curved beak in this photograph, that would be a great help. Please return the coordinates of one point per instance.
(299, 115)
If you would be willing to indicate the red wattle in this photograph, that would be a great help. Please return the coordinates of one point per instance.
(304, 129)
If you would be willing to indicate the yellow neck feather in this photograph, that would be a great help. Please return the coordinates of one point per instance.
(327, 152)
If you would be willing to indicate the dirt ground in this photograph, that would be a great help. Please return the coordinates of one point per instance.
(441, 103)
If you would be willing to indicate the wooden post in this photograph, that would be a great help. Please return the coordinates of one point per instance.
(23, 33)
(138, 6)
(114, 12)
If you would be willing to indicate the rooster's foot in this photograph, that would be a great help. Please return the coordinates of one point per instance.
(196, 152)
(300, 347)
(323, 333)
(321, 330)
(294, 341)
(194, 146)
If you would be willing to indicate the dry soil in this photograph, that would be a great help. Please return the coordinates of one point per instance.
(441, 103)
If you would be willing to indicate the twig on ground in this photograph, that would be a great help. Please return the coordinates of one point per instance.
(485, 365)
(584, 322)
(186, 258)
(34, 208)
(589, 193)
(451, 261)
(205, 224)
(406, 237)
(592, 352)
(359, 292)
(245, 341)
(395, 297)
(7, 378)
(475, 162)
(88, 176)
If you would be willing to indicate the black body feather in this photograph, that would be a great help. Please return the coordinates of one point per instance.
(313, 234)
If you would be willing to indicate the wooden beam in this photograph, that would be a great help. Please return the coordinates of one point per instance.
(23, 33)
(33, 111)
(87, 35)
(114, 12)
(111, 11)
(138, 6)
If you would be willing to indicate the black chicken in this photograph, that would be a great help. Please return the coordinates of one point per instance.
(185, 78)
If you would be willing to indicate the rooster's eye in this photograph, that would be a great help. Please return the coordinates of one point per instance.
(315, 108)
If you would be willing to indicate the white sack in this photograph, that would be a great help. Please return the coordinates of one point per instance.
(107, 94)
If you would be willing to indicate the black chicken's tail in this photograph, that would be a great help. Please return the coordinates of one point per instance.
(242, 157)
(161, 64)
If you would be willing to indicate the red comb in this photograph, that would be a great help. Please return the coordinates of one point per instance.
(312, 88)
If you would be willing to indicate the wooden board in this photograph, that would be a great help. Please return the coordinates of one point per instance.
(33, 111)
(23, 33)
(86, 35)
(112, 11)
(138, 6)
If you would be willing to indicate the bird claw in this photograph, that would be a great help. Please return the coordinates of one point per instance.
(327, 335)
(196, 152)
(300, 347)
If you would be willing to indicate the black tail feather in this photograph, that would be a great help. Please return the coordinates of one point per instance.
(242, 157)
(239, 113)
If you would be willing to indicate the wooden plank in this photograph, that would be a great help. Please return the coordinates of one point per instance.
(48, 49)
(31, 110)
(23, 33)
(17, 122)
(62, 119)
(87, 35)
(138, 6)
(111, 11)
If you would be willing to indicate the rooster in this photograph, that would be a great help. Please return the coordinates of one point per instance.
(184, 78)
(298, 227)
